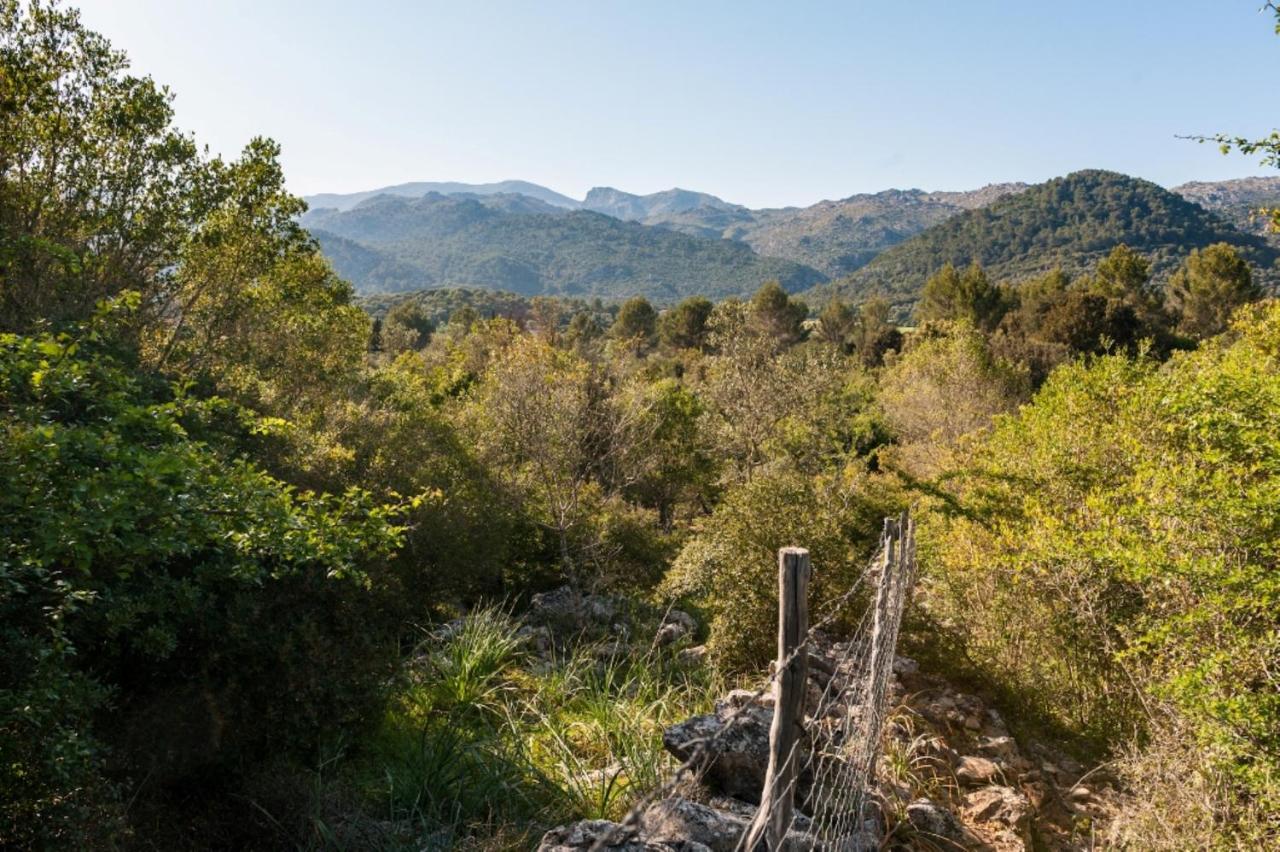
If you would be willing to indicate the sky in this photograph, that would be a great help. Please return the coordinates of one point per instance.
(762, 103)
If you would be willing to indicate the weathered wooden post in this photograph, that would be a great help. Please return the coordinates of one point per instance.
(777, 801)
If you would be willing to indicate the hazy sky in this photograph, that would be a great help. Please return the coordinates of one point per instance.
(762, 103)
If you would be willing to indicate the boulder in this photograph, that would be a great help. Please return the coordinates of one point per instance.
(680, 819)
(736, 763)
(693, 656)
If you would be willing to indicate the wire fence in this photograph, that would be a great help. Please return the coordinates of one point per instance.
(837, 751)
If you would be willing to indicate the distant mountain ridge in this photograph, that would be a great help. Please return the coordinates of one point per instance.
(383, 246)
(348, 200)
(391, 244)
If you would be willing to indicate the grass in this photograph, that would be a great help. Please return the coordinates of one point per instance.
(486, 746)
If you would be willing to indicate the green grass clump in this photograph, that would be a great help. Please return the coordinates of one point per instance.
(487, 746)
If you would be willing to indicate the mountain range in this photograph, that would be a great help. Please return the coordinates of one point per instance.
(524, 238)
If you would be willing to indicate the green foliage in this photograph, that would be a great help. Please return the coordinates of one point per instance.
(636, 325)
(512, 745)
(777, 315)
(685, 325)
(1116, 560)
(945, 387)
(953, 295)
(98, 193)
(142, 566)
(1208, 289)
(406, 327)
(730, 567)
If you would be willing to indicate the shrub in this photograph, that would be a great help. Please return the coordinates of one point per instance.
(221, 615)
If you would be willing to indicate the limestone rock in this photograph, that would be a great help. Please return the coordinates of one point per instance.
(681, 819)
(977, 771)
(735, 765)
(582, 836)
(931, 819)
(999, 804)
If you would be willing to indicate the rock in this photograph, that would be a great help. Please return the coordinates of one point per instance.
(681, 819)
(692, 656)
(976, 771)
(1000, 748)
(735, 765)
(999, 804)
(681, 619)
(973, 723)
(582, 836)
(559, 605)
(668, 634)
(931, 819)
(600, 610)
(905, 666)
(537, 638)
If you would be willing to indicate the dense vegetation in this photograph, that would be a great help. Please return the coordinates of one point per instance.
(390, 243)
(1067, 223)
(267, 562)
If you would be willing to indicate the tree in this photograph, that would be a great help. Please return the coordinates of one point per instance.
(685, 325)
(98, 193)
(944, 388)
(150, 573)
(837, 322)
(950, 294)
(406, 328)
(636, 324)
(533, 418)
(776, 314)
(1208, 288)
(874, 335)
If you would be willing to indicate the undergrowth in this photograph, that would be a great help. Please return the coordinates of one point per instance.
(485, 744)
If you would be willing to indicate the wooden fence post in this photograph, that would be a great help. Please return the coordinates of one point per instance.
(777, 801)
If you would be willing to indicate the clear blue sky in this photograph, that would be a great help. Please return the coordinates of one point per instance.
(762, 103)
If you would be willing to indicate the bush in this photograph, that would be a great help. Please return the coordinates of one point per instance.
(1115, 559)
(220, 614)
(729, 567)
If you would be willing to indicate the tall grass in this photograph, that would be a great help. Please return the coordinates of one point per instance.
(485, 746)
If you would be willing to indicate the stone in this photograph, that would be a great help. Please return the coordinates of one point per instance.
(668, 634)
(735, 765)
(681, 619)
(680, 819)
(693, 656)
(976, 771)
(905, 666)
(999, 804)
(1000, 748)
(933, 820)
(584, 835)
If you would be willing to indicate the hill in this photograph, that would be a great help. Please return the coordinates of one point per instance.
(838, 237)
(346, 201)
(1068, 222)
(390, 243)
(1237, 200)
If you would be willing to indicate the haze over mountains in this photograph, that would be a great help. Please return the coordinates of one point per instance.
(524, 238)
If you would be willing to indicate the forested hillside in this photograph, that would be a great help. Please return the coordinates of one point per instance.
(501, 244)
(1067, 223)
